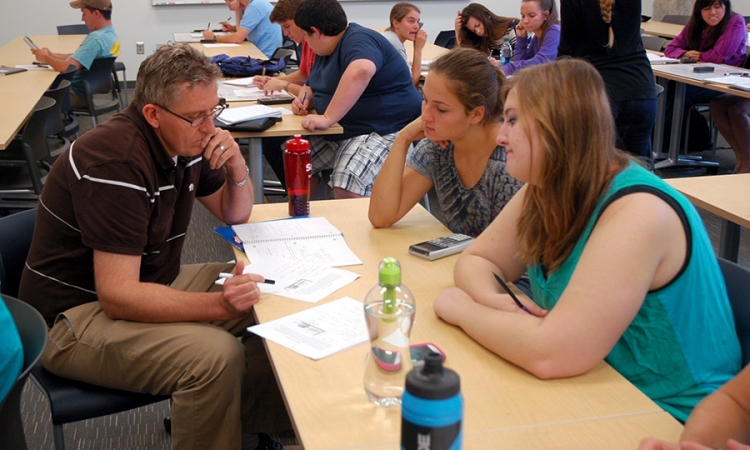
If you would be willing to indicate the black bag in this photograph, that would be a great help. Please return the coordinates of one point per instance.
(699, 134)
(244, 66)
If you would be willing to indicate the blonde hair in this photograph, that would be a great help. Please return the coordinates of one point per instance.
(577, 134)
(606, 8)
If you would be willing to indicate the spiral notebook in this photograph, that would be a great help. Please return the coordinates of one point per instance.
(308, 239)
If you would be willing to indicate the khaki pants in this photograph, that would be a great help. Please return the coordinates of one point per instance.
(220, 386)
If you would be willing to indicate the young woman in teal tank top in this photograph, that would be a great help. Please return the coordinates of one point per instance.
(620, 264)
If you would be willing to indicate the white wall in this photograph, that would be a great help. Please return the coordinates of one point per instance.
(137, 20)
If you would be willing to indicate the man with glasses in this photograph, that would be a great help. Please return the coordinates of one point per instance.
(104, 266)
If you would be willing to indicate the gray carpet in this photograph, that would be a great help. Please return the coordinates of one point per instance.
(142, 428)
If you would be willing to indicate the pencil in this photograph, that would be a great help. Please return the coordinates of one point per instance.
(512, 295)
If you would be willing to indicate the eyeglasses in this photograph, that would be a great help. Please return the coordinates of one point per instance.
(218, 109)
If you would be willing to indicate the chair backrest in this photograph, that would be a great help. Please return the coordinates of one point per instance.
(676, 18)
(285, 53)
(737, 279)
(16, 231)
(54, 124)
(654, 43)
(33, 333)
(446, 38)
(78, 28)
(98, 79)
(35, 146)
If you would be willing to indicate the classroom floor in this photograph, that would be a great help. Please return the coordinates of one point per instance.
(142, 428)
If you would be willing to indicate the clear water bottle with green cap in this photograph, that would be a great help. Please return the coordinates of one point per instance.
(506, 52)
(389, 313)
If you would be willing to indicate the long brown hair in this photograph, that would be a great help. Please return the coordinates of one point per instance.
(399, 11)
(577, 134)
(495, 27)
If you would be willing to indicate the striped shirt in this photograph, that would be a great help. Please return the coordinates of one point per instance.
(116, 190)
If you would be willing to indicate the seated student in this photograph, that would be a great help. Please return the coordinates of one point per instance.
(479, 28)
(538, 17)
(731, 114)
(405, 27)
(621, 266)
(721, 420)
(283, 14)
(101, 42)
(254, 25)
(11, 351)
(714, 34)
(360, 81)
(457, 153)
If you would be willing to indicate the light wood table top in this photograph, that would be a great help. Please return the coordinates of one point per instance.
(663, 29)
(326, 398)
(723, 195)
(246, 48)
(21, 91)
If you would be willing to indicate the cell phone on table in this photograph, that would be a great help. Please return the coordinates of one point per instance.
(441, 247)
(418, 352)
(275, 100)
(30, 43)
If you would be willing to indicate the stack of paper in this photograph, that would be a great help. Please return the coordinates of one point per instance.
(242, 90)
(231, 116)
(658, 59)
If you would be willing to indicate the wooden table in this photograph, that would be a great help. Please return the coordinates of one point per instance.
(245, 48)
(683, 75)
(725, 196)
(21, 91)
(503, 403)
(663, 29)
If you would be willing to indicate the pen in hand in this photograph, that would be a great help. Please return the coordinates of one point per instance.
(512, 295)
(231, 275)
(208, 27)
(304, 97)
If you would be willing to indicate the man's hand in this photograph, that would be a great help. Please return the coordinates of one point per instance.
(220, 148)
(228, 27)
(208, 34)
(42, 54)
(241, 291)
(316, 122)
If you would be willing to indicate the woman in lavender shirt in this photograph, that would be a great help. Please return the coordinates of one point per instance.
(539, 18)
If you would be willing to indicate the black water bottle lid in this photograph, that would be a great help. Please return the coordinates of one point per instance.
(433, 381)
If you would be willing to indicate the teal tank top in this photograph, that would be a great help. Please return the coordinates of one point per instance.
(682, 344)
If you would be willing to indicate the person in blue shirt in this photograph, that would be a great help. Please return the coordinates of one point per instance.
(360, 81)
(254, 25)
(101, 42)
(11, 351)
(621, 266)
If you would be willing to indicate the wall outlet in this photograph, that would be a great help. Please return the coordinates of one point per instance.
(139, 48)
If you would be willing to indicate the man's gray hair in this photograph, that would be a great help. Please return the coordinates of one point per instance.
(163, 74)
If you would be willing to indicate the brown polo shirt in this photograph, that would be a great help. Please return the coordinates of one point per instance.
(117, 190)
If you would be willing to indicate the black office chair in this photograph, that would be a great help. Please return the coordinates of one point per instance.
(98, 80)
(654, 43)
(24, 164)
(737, 279)
(446, 38)
(33, 333)
(54, 128)
(70, 401)
(122, 93)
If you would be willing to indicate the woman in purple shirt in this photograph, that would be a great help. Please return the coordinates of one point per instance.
(714, 34)
(538, 17)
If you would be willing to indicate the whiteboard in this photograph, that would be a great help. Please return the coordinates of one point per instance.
(185, 2)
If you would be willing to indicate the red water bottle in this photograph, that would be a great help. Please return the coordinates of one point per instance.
(297, 171)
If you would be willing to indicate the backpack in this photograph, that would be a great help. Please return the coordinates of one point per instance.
(244, 66)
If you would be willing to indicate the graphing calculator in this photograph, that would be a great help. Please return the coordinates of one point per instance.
(441, 247)
(30, 43)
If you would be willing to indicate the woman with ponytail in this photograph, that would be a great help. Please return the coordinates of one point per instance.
(607, 34)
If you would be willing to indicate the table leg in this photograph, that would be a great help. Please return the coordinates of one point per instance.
(254, 160)
(661, 107)
(729, 243)
(673, 158)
